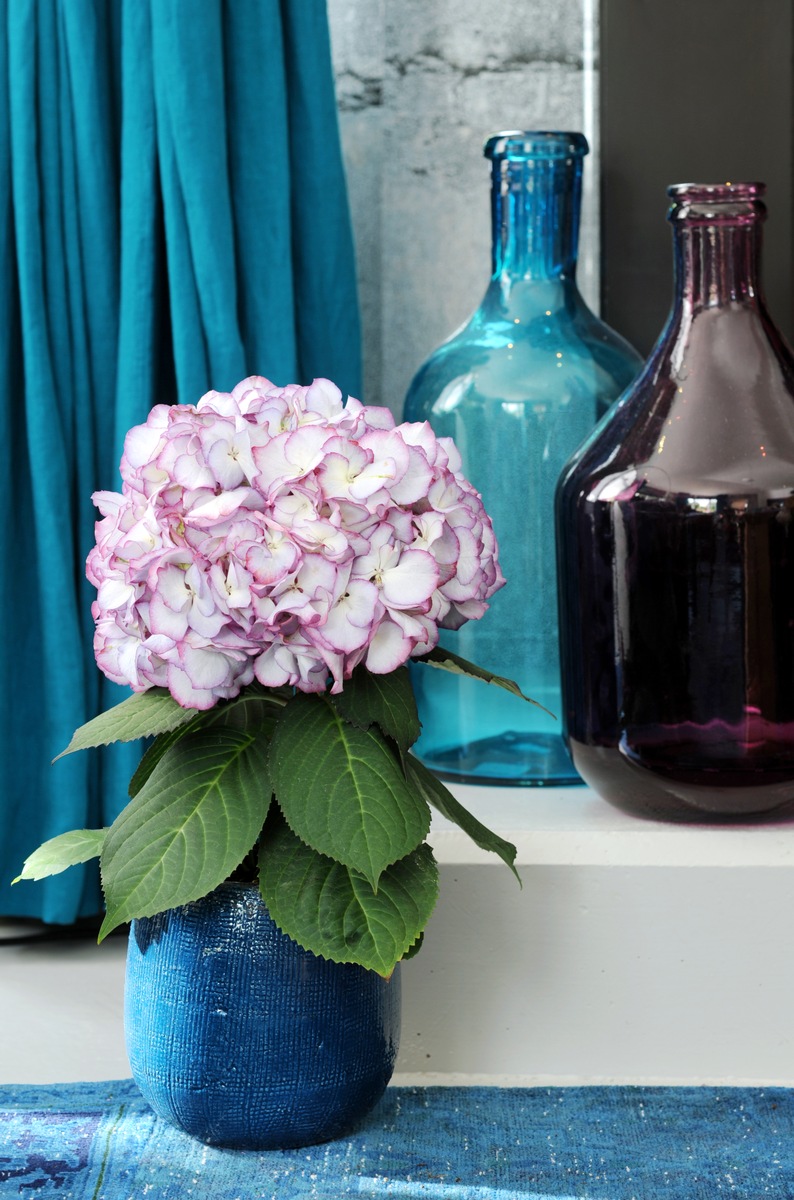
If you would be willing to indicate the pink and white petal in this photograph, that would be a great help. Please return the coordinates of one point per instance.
(459, 613)
(164, 621)
(205, 667)
(218, 402)
(374, 478)
(350, 622)
(411, 625)
(387, 444)
(206, 625)
(236, 585)
(317, 574)
(248, 391)
(190, 471)
(304, 448)
(362, 603)
(457, 592)
(388, 649)
(412, 581)
(420, 433)
(185, 694)
(469, 563)
(342, 463)
(143, 441)
(269, 563)
(313, 673)
(322, 538)
(275, 667)
(161, 646)
(115, 594)
(211, 508)
(173, 588)
(223, 459)
(401, 523)
(335, 475)
(377, 418)
(323, 397)
(109, 503)
(429, 638)
(454, 461)
(415, 481)
(273, 466)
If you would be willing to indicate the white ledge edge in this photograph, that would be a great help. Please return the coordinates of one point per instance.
(574, 827)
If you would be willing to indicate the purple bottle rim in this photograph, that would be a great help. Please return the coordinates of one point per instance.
(716, 193)
(717, 203)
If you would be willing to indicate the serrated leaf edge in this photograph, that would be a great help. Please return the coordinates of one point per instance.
(446, 660)
(24, 877)
(112, 919)
(372, 878)
(181, 716)
(410, 763)
(351, 874)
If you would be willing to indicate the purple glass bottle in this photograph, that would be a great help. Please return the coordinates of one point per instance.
(675, 524)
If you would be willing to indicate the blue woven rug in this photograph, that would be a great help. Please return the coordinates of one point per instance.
(100, 1141)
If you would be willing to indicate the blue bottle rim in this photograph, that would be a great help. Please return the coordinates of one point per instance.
(532, 143)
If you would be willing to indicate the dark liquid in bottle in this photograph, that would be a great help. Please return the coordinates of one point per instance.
(682, 700)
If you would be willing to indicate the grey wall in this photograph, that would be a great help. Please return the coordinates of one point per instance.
(699, 92)
(421, 84)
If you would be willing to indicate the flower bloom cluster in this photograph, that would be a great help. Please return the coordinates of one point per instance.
(278, 534)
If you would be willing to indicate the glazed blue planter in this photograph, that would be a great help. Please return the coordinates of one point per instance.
(243, 1039)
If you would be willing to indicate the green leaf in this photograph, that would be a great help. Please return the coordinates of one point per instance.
(192, 823)
(384, 700)
(435, 793)
(412, 951)
(447, 661)
(66, 850)
(248, 711)
(156, 751)
(334, 912)
(143, 715)
(341, 789)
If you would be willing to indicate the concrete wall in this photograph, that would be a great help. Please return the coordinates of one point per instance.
(421, 84)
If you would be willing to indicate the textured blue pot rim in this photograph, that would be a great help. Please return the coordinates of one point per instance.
(145, 930)
(227, 898)
(228, 885)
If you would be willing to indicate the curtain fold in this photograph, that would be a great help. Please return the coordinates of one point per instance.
(175, 217)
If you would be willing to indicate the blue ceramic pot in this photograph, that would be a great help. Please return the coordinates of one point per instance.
(242, 1039)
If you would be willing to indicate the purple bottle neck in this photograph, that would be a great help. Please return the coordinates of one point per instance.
(717, 244)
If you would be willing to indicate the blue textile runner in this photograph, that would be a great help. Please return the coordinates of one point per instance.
(100, 1141)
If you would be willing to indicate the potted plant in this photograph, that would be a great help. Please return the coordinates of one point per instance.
(274, 559)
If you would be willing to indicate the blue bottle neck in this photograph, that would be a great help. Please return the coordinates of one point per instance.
(535, 205)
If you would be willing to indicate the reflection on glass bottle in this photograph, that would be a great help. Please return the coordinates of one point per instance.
(518, 388)
(677, 545)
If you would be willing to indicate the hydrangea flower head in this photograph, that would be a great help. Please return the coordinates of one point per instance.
(278, 534)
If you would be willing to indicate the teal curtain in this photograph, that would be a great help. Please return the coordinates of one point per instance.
(174, 218)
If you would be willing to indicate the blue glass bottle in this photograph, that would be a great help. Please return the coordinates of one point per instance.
(518, 387)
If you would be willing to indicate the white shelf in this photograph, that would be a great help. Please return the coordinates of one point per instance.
(614, 962)
(573, 827)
